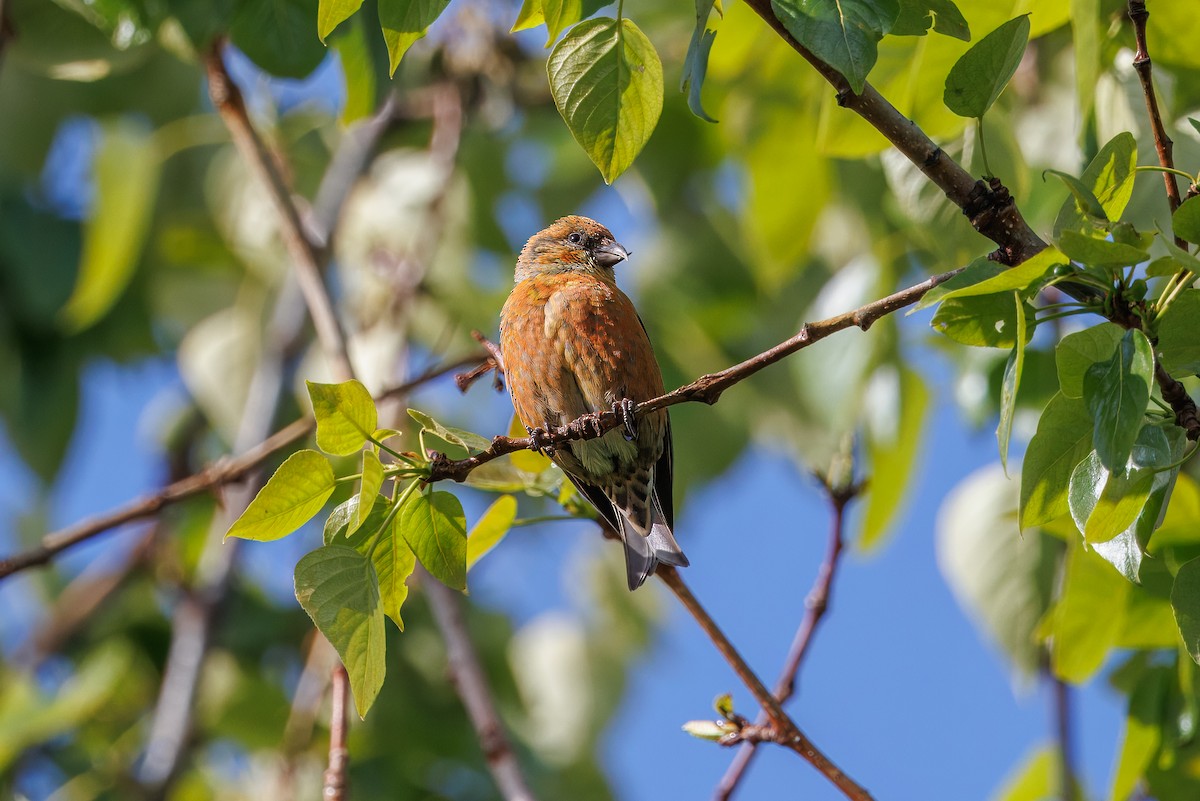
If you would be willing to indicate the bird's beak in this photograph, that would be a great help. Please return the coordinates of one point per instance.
(611, 253)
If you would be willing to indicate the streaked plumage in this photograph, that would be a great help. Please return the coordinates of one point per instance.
(573, 344)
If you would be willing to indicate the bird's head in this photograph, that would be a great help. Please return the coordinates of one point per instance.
(571, 244)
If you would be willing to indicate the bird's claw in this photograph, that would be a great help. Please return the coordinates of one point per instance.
(541, 441)
(587, 426)
(624, 410)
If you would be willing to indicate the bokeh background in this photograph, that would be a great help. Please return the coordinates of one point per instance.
(140, 272)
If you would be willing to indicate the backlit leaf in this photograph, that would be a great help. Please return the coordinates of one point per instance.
(491, 528)
(368, 493)
(404, 22)
(1087, 616)
(331, 13)
(893, 458)
(289, 499)
(346, 416)
(1010, 384)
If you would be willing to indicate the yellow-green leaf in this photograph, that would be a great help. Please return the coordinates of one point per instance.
(607, 82)
(290, 498)
(893, 457)
(404, 22)
(331, 13)
(346, 416)
(526, 460)
(435, 527)
(368, 492)
(491, 528)
(125, 176)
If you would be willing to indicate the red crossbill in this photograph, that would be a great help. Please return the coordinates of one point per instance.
(573, 345)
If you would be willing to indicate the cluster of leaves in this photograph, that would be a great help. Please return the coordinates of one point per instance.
(1107, 454)
(373, 540)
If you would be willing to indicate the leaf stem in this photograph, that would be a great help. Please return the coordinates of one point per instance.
(987, 170)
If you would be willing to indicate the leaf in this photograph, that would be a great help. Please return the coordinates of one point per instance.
(1099, 252)
(1185, 222)
(404, 22)
(1103, 504)
(1010, 384)
(339, 519)
(978, 78)
(1086, 44)
(526, 460)
(1116, 393)
(1087, 205)
(466, 440)
(491, 528)
(338, 589)
(530, 16)
(842, 33)
(277, 35)
(1036, 779)
(346, 416)
(1106, 184)
(1026, 277)
(695, 63)
(392, 559)
(368, 492)
(917, 16)
(1179, 335)
(125, 172)
(987, 321)
(978, 271)
(608, 85)
(1087, 617)
(1185, 600)
(331, 13)
(893, 458)
(1076, 352)
(435, 527)
(290, 498)
(1143, 731)
(1063, 440)
(358, 72)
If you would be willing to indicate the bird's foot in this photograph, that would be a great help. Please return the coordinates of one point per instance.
(586, 426)
(541, 441)
(624, 410)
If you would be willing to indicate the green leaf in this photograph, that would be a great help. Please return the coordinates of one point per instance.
(608, 85)
(346, 416)
(1116, 393)
(1105, 504)
(331, 13)
(1026, 278)
(695, 63)
(1087, 617)
(125, 174)
(978, 78)
(1063, 440)
(1087, 205)
(1104, 189)
(491, 528)
(1179, 335)
(1143, 731)
(1010, 385)
(1185, 222)
(917, 16)
(893, 458)
(358, 72)
(723, 705)
(277, 35)
(527, 461)
(466, 440)
(1076, 352)
(391, 557)
(1099, 252)
(1036, 779)
(530, 16)
(1185, 600)
(404, 22)
(338, 588)
(1086, 44)
(987, 321)
(368, 491)
(290, 498)
(338, 522)
(842, 33)
(978, 271)
(435, 527)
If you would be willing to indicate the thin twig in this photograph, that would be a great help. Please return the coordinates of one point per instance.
(339, 755)
(1162, 143)
(467, 676)
(227, 99)
(817, 603)
(1066, 741)
(787, 732)
(705, 389)
(222, 472)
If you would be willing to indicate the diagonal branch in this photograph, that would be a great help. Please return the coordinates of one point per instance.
(817, 604)
(705, 389)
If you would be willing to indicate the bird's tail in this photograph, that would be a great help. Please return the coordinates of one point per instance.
(643, 551)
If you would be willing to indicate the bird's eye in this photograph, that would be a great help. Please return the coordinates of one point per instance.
(575, 238)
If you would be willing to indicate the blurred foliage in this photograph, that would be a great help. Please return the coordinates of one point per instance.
(130, 229)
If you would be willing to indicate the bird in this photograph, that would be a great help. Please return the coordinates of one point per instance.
(573, 346)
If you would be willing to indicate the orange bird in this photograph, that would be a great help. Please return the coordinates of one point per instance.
(573, 345)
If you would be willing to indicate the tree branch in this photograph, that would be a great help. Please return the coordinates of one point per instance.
(705, 389)
(1068, 785)
(787, 733)
(817, 603)
(1162, 143)
(467, 676)
(339, 755)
